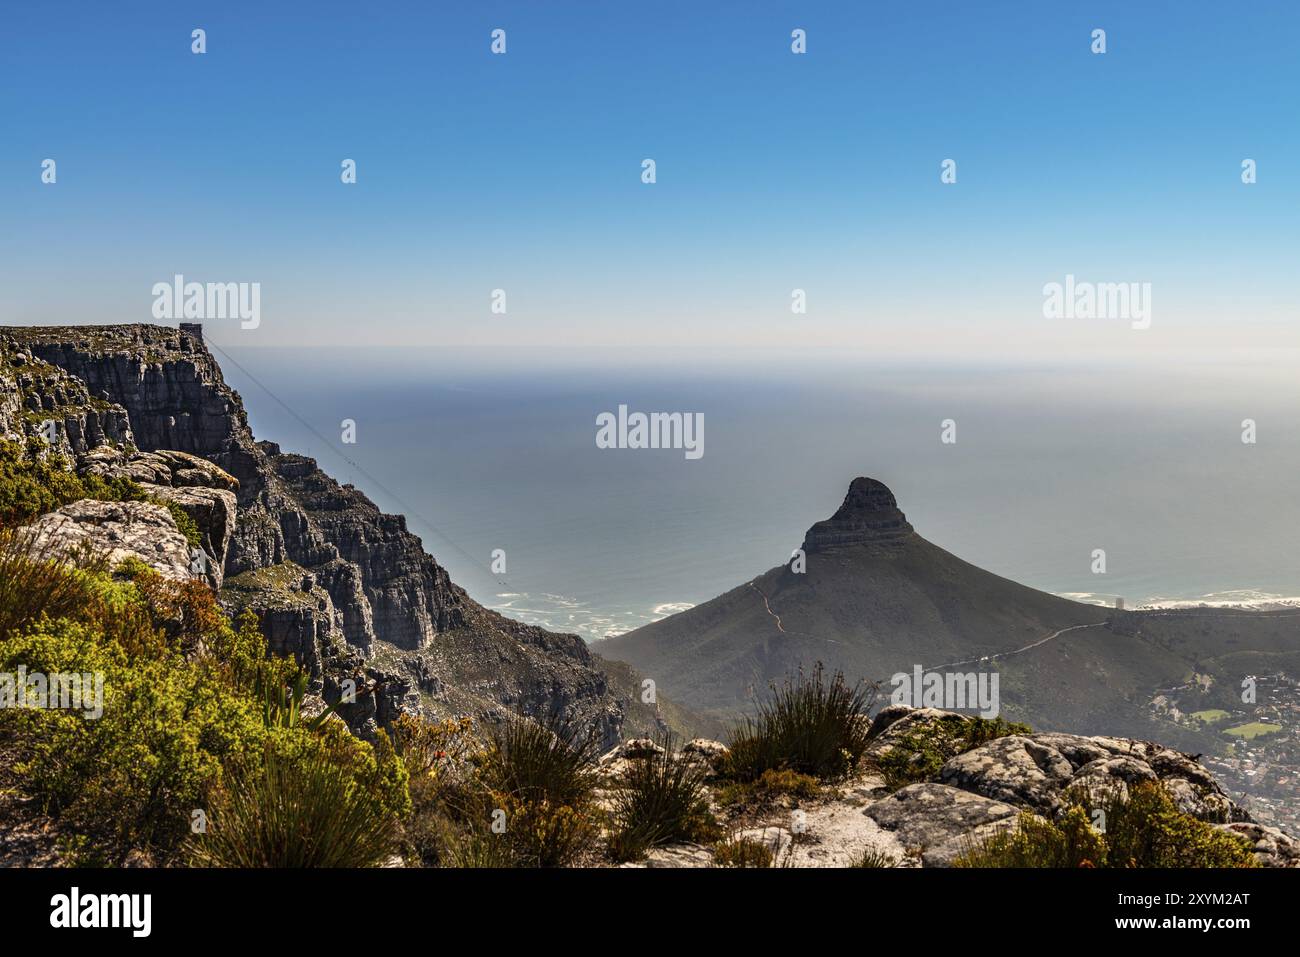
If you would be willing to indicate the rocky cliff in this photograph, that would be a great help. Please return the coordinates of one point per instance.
(346, 588)
(869, 517)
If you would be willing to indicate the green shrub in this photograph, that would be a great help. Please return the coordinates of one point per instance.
(771, 785)
(448, 799)
(182, 715)
(130, 778)
(35, 480)
(184, 523)
(658, 799)
(1035, 842)
(539, 775)
(551, 761)
(303, 812)
(741, 852)
(281, 689)
(542, 834)
(808, 725)
(1146, 830)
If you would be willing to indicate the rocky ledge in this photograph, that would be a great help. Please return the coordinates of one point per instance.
(931, 822)
(115, 532)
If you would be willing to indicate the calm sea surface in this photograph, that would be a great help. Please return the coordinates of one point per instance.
(1048, 466)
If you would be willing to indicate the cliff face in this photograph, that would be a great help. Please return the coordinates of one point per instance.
(869, 517)
(409, 597)
(361, 598)
(34, 392)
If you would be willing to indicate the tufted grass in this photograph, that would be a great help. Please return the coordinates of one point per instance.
(809, 725)
(659, 799)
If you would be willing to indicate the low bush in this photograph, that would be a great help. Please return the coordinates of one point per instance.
(540, 833)
(448, 800)
(535, 782)
(1144, 830)
(131, 777)
(771, 785)
(809, 725)
(549, 760)
(35, 480)
(658, 799)
(180, 720)
(35, 584)
(296, 812)
(742, 852)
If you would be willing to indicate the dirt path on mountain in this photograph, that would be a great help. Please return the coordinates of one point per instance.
(1019, 651)
(768, 607)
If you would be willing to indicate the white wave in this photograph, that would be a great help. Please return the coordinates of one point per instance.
(1246, 599)
(672, 608)
(1089, 597)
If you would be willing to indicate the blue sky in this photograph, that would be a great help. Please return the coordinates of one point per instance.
(775, 172)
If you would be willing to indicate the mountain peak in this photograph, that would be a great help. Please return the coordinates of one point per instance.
(869, 516)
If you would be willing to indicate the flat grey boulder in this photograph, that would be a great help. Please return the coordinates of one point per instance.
(1015, 769)
(939, 822)
(1037, 771)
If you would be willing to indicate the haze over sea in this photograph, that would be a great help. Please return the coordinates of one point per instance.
(1050, 463)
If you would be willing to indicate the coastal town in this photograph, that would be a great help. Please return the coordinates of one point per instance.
(1258, 758)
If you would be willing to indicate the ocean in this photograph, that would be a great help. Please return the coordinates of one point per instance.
(1048, 465)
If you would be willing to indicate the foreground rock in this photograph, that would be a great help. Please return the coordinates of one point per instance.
(205, 492)
(1036, 771)
(115, 531)
(940, 823)
(1272, 847)
(973, 796)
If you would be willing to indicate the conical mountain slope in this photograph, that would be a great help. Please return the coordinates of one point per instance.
(875, 598)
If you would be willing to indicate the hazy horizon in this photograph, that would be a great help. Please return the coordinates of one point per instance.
(1047, 466)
